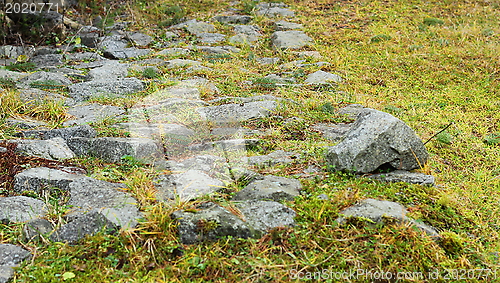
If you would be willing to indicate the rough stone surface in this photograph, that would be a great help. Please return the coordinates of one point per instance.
(211, 38)
(81, 226)
(377, 139)
(233, 19)
(175, 51)
(34, 179)
(42, 76)
(271, 159)
(20, 209)
(110, 70)
(210, 223)
(378, 210)
(195, 27)
(284, 25)
(12, 255)
(117, 87)
(187, 186)
(270, 188)
(53, 149)
(84, 131)
(34, 97)
(322, 77)
(230, 113)
(157, 130)
(92, 113)
(180, 63)
(334, 132)
(34, 229)
(140, 39)
(404, 176)
(292, 39)
(119, 207)
(126, 53)
(263, 216)
(113, 149)
(273, 10)
(47, 60)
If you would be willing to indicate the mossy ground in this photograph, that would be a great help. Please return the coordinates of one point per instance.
(428, 63)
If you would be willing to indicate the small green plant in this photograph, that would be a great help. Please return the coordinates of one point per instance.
(21, 67)
(265, 83)
(150, 73)
(445, 138)
(47, 85)
(7, 83)
(380, 38)
(432, 22)
(492, 139)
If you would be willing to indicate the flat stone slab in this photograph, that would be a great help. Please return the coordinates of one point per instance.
(222, 50)
(175, 51)
(264, 216)
(377, 210)
(117, 206)
(85, 131)
(291, 39)
(274, 10)
(113, 88)
(210, 38)
(272, 159)
(181, 63)
(126, 53)
(21, 209)
(405, 176)
(233, 19)
(109, 70)
(114, 149)
(11, 256)
(230, 113)
(284, 25)
(42, 76)
(156, 130)
(92, 113)
(52, 149)
(35, 179)
(187, 186)
(270, 188)
(195, 27)
(322, 77)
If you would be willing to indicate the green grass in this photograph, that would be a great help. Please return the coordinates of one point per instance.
(428, 63)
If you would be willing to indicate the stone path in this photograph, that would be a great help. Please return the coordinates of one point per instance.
(163, 129)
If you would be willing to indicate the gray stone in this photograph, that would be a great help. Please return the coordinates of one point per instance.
(377, 139)
(284, 25)
(84, 131)
(352, 111)
(268, 61)
(273, 10)
(379, 210)
(117, 87)
(91, 195)
(110, 70)
(206, 163)
(12, 255)
(195, 27)
(84, 56)
(20, 209)
(113, 150)
(175, 51)
(333, 132)
(47, 60)
(35, 229)
(92, 113)
(227, 145)
(34, 97)
(217, 49)
(248, 30)
(12, 52)
(26, 123)
(36, 179)
(52, 149)
(263, 216)
(84, 225)
(272, 159)
(140, 39)
(89, 36)
(210, 38)
(405, 176)
(187, 186)
(156, 131)
(113, 42)
(180, 63)
(231, 113)
(126, 53)
(12, 75)
(209, 223)
(270, 188)
(233, 19)
(322, 77)
(242, 39)
(292, 39)
(41, 76)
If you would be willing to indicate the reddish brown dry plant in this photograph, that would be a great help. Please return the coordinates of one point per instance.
(12, 163)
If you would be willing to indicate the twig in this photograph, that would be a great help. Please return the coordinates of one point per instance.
(438, 133)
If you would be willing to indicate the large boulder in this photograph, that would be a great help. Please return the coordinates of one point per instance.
(377, 139)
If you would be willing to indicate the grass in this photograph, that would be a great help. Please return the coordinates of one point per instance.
(429, 64)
